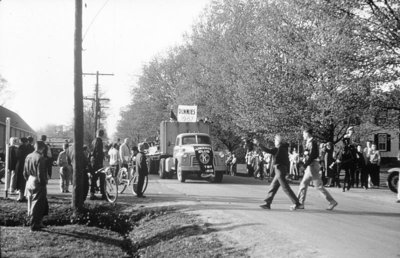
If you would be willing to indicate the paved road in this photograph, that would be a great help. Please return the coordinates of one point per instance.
(365, 224)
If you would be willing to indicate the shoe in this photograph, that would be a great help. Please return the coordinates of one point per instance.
(266, 206)
(42, 225)
(13, 192)
(398, 201)
(141, 196)
(103, 197)
(344, 190)
(365, 188)
(297, 207)
(22, 200)
(92, 197)
(332, 206)
(67, 191)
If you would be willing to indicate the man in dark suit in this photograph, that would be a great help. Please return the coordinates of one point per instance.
(280, 161)
(98, 155)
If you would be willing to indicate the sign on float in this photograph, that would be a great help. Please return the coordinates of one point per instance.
(187, 113)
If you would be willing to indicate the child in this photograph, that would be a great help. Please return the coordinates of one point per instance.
(65, 169)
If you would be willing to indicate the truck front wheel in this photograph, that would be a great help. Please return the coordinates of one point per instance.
(393, 180)
(180, 175)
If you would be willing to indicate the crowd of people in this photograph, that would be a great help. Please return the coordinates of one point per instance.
(30, 165)
(360, 165)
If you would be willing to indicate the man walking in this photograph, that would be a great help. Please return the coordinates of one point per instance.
(141, 168)
(311, 173)
(35, 172)
(280, 156)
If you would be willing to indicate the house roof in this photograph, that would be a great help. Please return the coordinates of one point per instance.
(16, 120)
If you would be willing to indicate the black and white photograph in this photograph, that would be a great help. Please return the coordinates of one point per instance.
(200, 128)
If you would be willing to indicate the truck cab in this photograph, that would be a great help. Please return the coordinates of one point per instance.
(186, 150)
(194, 158)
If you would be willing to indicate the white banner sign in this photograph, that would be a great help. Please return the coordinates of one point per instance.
(187, 113)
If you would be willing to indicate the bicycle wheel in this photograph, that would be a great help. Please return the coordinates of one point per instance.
(123, 180)
(135, 181)
(111, 189)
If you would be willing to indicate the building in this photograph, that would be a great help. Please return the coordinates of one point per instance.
(18, 127)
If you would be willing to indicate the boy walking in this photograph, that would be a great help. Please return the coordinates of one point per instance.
(311, 173)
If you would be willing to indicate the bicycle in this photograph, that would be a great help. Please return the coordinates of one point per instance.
(111, 183)
(126, 178)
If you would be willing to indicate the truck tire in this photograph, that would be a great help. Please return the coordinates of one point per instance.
(180, 175)
(218, 177)
(161, 170)
(393, 180)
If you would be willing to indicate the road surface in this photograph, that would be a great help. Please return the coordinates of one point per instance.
(366, 223)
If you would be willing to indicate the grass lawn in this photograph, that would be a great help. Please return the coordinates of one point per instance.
(106, 230)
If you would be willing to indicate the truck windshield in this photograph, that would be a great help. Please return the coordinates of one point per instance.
(189, 140)
(203, 139)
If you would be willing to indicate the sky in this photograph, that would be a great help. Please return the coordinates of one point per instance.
(119, 37)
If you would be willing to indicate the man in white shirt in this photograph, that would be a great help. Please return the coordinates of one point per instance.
(114, 155)
(124, 153)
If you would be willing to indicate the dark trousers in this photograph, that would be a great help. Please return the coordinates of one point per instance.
(140, 183)
(349, 176)
(250, 170)
(364, 176)
(375, 177)
(93, 183)
(280, 180)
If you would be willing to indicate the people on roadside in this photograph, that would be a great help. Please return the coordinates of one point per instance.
(312, 172)
(141, 168)
(328, 160)
(249, 158)
(280, 161)
(12, 163)
(375, 161)
(124, 153)
(361, 173)
(65, 169)
(22, 153)
(348, 163)
(233, 164)
(114, 156)
(98, 155)
(294, 162)
(31, 145)
(35, 172)
(48, 156)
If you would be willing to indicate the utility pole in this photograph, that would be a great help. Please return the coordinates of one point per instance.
(77, 193)
(96, 99)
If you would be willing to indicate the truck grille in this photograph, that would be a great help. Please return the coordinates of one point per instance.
(194, 161)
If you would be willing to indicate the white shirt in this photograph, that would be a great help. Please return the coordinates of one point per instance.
(113, 152)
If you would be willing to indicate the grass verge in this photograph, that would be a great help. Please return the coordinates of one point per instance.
(106, 230)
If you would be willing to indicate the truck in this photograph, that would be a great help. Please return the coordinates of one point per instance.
(185, 150)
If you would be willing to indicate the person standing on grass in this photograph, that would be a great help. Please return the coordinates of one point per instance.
(65, 169)
(124, 153)
(312, 171)
(22, 152)
(35, 172)
(12, 163)
(98, 155)
(280, 161)
(48, 156)
(141, 168)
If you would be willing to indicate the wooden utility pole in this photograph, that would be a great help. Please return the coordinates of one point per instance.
(77, 200)
(97, 105)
